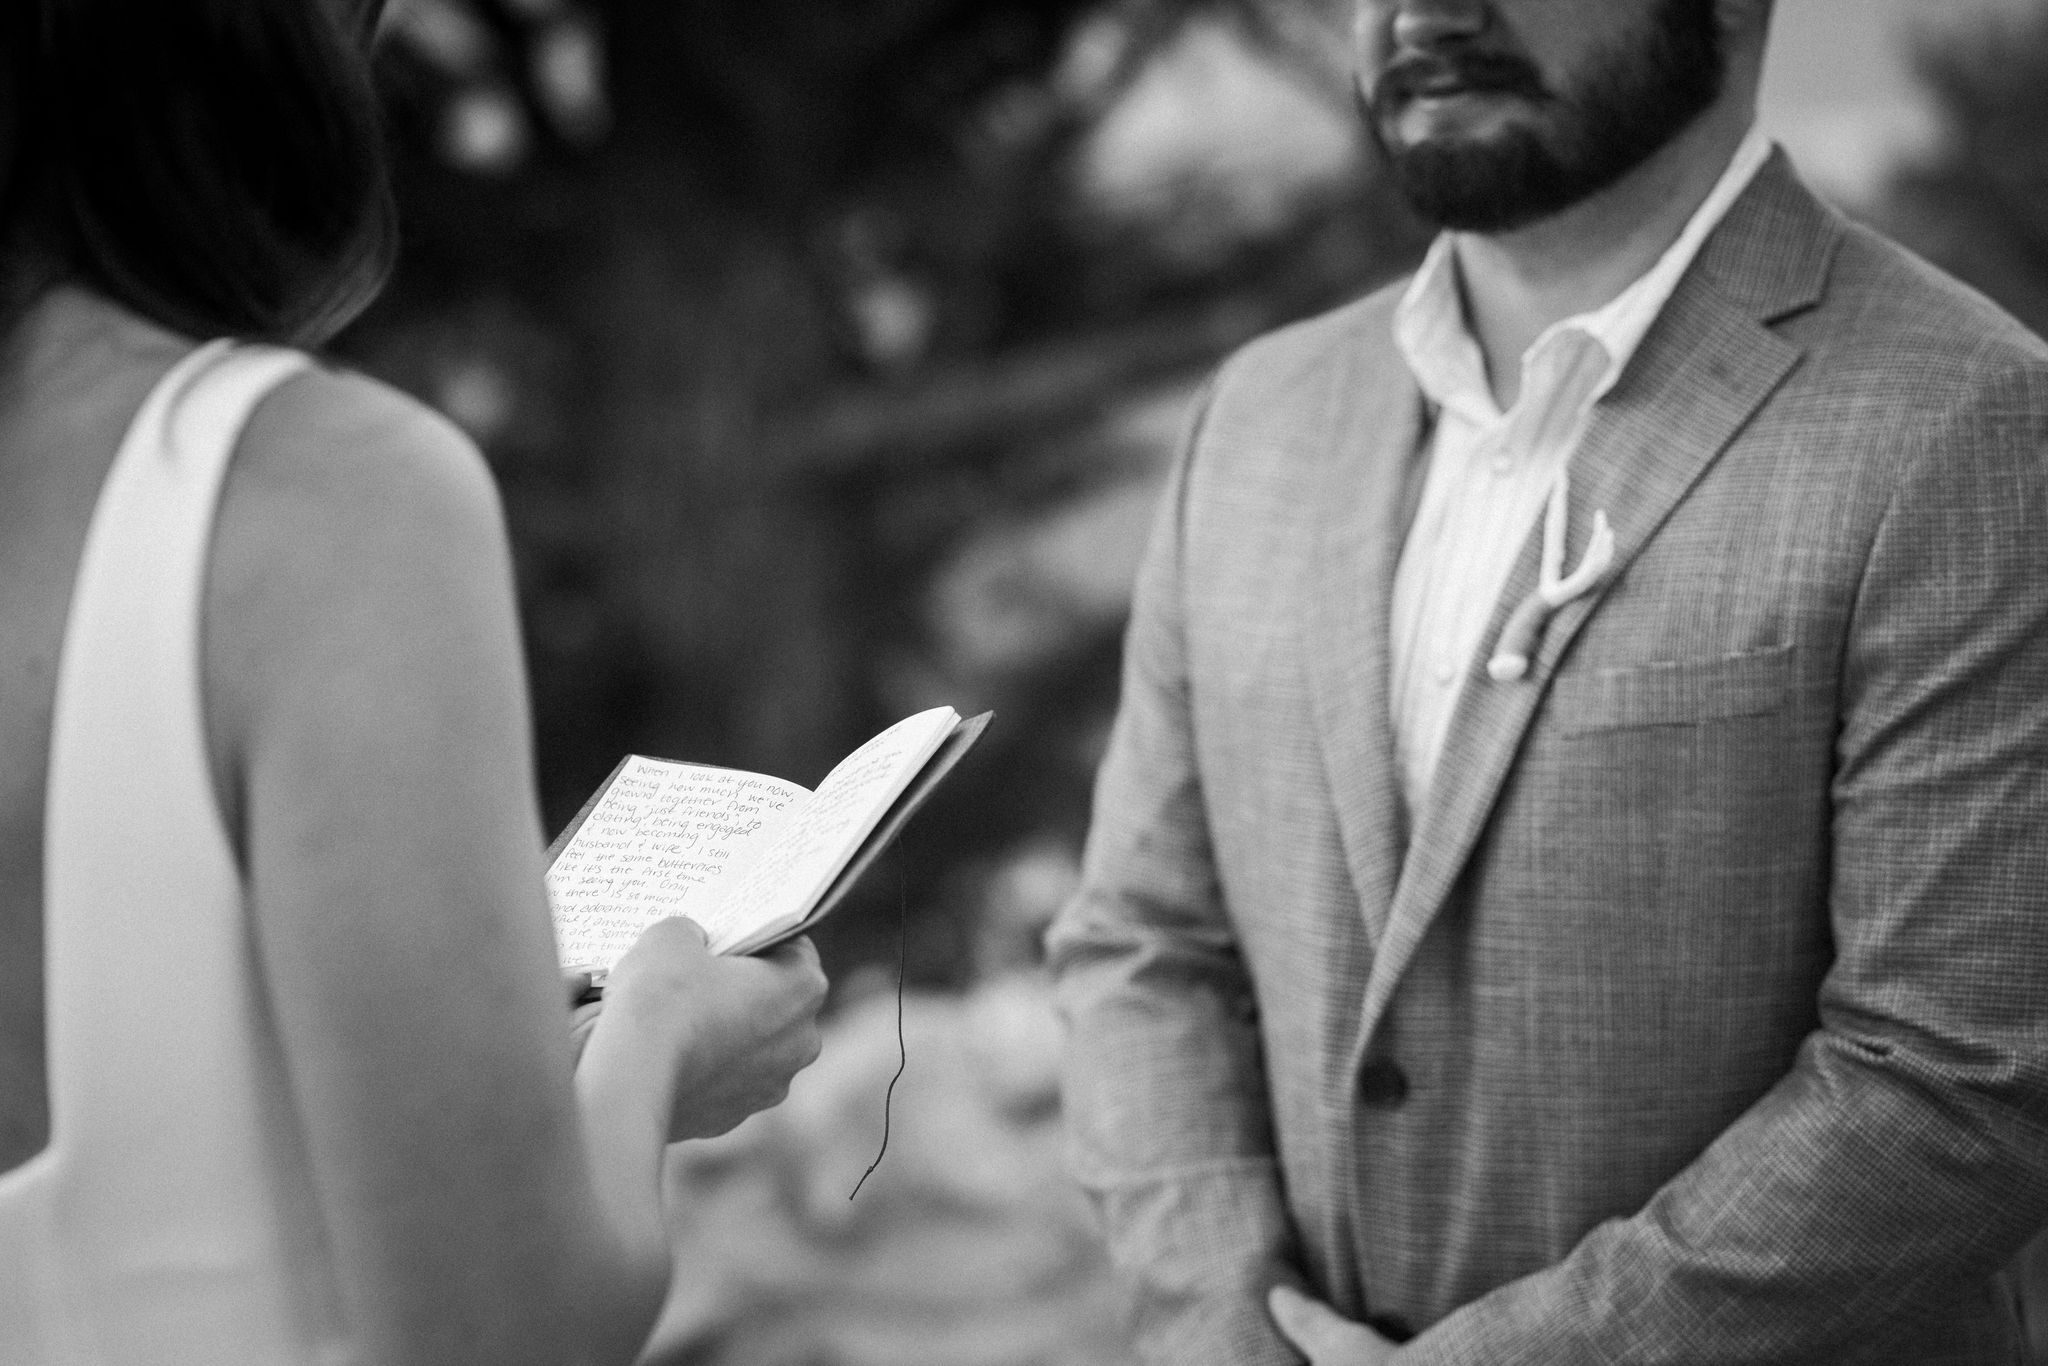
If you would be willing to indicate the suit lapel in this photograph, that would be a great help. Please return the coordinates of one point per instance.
(1704, 370)
(1360, 523)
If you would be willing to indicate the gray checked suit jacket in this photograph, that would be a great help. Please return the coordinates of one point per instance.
(1702, 1015)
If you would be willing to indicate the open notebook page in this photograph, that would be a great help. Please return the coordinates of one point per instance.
(661, 832)
(782, 877)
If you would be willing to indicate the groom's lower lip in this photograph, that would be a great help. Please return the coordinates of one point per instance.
(1436, 78)
(1451, 98)
(1455, 92)
(1447, 87)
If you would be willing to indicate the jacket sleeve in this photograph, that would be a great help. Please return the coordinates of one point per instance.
(1905, 1156)
(1165, 1092)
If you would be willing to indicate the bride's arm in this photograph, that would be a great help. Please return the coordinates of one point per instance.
(369, 722)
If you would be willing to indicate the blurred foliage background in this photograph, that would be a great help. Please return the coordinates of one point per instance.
(825, 353)
(1977, 203)
(828, 353)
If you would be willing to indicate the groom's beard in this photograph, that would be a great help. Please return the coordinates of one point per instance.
(1630, 101)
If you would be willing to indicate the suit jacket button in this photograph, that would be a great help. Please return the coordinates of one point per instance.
(1382, 1082)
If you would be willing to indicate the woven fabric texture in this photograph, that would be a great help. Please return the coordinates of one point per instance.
(1701, 1014)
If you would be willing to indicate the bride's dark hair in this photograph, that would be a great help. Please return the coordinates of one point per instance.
(215, 165)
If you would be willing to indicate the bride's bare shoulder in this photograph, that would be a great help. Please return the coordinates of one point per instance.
(352, 445)
(359, 545)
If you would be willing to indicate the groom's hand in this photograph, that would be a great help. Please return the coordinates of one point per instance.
(1322, 1335)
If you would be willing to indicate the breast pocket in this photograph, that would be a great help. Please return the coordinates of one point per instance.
(1690, 792)
(1675, 693)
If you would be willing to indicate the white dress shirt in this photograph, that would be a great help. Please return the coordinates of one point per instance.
(1489, 473)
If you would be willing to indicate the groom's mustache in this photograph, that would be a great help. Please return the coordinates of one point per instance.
(1455, 73)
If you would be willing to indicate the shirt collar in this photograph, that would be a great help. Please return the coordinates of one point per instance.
(1429, 322)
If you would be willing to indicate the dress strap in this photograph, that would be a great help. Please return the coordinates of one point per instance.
(170, 1160)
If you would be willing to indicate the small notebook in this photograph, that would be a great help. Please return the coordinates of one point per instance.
(753, 859)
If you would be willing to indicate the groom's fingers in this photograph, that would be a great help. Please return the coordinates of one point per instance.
(1322, 1335)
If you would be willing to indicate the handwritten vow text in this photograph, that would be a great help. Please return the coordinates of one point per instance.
(659, 834)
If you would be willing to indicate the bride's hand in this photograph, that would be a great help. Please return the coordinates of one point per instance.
(733, 1031)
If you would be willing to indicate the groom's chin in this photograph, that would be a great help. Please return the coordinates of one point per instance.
(1473, 185)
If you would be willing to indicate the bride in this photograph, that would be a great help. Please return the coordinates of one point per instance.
(285, 1067)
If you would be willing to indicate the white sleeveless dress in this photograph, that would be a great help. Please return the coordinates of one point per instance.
(170, 1221)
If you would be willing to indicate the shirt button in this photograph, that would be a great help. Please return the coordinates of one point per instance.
(1445, 671)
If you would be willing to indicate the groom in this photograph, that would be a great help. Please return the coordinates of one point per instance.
(1570, 878)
